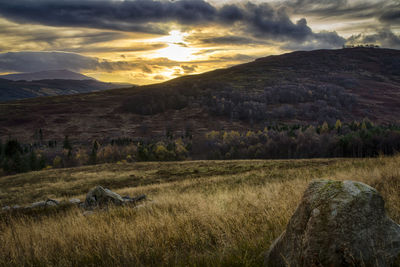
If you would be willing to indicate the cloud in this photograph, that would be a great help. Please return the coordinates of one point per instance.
(385, 10)
(236, 57)
(263, 21)
(100, 49)
(134, 16)
(391, 16)
(38, 61)
(230, 40)
(187, 69)
(147, 69)
(322, 40)
(384, 37)
(159, 78)
(266, 22)
(16, 37)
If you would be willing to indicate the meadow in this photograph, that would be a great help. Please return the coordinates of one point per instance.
(198, 213)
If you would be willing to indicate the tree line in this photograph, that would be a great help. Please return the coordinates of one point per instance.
(278, 141)
(292, 142)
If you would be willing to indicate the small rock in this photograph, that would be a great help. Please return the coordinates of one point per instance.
(337, 224)
(127, 198)
(88, 213)
(15, 207)
(140, 198)
(52, 202)
(74, 201)
(37, 204)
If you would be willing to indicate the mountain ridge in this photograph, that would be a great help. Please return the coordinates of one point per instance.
(21, 89)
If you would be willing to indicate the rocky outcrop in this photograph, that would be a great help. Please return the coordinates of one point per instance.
(96, 197)
(100, 196)
(337, 224)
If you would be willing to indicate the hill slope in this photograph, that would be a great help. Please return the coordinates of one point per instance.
(21, 89)
(299, 87)
(46, 75)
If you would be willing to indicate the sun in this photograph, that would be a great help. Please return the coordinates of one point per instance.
(177, 48)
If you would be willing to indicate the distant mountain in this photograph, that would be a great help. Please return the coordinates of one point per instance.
(46, 75)
(21, 89)
(294, 88)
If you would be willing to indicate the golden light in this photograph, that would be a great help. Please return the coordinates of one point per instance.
(178, 49)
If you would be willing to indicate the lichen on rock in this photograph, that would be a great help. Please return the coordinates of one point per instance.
(337, 224)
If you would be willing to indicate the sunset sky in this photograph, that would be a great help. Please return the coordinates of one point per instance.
(146, 41)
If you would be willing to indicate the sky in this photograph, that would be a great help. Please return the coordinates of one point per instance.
(150, 41)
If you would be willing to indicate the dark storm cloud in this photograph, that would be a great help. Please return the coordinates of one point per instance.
(265, 21)
(135, 15)
(391, 16)
(261, 20)
(385, 10)
(323, 40)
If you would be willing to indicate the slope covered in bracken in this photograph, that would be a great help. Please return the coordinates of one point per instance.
(295, 88)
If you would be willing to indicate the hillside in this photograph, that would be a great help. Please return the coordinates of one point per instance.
(295, 88)
(46, 75)
(20, 89)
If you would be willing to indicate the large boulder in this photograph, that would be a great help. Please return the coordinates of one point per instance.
(338, 224)
(100, 196)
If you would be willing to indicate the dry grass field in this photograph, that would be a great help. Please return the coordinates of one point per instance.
(200, 213)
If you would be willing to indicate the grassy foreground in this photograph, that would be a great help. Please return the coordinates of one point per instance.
(203, 213)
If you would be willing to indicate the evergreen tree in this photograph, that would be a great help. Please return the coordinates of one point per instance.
(12, 147)
(33, 162)
(67, 145)
(40, 135)
(93, 154)
(1, 151)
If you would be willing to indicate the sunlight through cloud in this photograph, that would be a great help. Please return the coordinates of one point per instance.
(178, 49)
